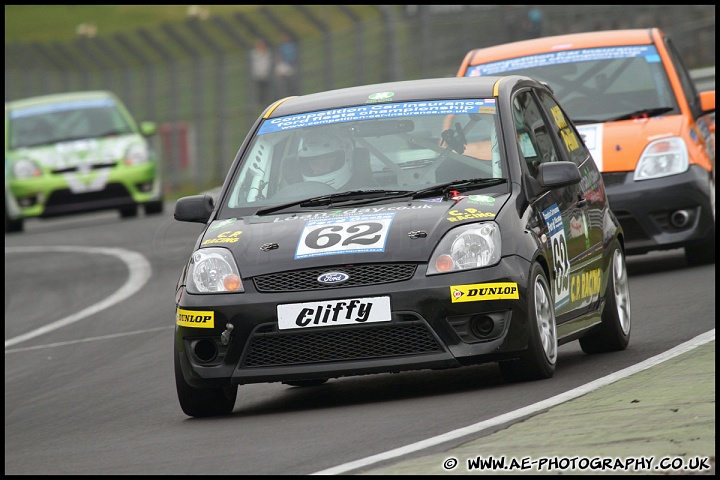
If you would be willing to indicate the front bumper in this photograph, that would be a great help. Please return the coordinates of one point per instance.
(52, 195)
(664, 213)
(427, 330)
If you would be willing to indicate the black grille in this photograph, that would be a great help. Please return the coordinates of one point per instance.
(612, 179)
(355, 343)
(360, 275)
(96, 166)
(64, 201)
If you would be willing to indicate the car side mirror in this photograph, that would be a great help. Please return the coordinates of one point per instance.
(550, 175)
(195, 208)
(148, 129)
(553, 175)
(707, 101)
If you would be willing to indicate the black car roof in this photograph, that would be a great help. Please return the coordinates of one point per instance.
(408, 90)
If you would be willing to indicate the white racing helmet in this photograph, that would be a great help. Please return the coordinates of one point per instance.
(325, 157)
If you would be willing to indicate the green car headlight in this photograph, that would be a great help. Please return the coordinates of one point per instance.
(26, 168)
(136, 154)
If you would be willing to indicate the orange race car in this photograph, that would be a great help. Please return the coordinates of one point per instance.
(651, 133)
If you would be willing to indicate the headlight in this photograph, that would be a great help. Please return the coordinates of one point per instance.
(25, 169)
(475, 245)
(668, 156)
(213, 270)
(136, 154)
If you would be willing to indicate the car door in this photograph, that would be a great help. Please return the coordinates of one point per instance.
(586, 225)
(564, 209)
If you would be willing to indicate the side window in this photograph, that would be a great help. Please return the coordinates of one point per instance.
(686, 81)
(562, 129)
(533, 136)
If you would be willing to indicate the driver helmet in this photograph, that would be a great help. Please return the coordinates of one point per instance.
(325, 157)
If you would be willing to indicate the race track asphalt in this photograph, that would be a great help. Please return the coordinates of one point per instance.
(659, 420)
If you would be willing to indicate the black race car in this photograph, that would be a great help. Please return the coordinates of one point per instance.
(424, 224)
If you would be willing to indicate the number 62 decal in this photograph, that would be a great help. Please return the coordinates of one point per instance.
(337, 235)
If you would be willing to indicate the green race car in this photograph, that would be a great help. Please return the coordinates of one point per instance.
(77, 152)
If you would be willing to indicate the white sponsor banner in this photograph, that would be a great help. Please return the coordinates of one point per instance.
(334, 312)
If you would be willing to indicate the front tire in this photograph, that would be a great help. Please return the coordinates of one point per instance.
(129, 212)
(13, 226)
(703, 252)
(540, 358)
(203, 402)
(154, 207)
(614, 332)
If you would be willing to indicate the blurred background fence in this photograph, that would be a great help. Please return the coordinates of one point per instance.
(193, 77)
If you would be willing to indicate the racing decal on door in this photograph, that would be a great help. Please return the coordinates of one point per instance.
(561, 260)
(195, 318)
(484, 291)
(334, 312)
(338, 235)
(585, 285)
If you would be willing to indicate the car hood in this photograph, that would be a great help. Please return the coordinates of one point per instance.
(617, 146)
(75, 153)
(390, 232)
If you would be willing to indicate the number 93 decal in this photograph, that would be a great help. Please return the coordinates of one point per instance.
(561, 261)
(337, 235)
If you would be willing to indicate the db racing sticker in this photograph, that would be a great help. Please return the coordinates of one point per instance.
(195, 318)
(484, 291)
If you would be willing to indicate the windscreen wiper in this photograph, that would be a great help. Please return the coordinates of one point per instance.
(444, 189)
(644, 113)
(333, 198)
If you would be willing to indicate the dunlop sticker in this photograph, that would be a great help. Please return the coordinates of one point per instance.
(484, 291)
(195, 318)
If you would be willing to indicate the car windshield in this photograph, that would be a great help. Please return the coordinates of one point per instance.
(71, 120)
(374, 151)
(597, 84)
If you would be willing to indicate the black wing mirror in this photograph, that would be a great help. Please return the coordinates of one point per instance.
(196, 208)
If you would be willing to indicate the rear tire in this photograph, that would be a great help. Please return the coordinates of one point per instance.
(203, 402)
(614, 332)
(538, 361)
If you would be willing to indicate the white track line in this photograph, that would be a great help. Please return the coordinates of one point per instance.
(138, 267)
(525, 411)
